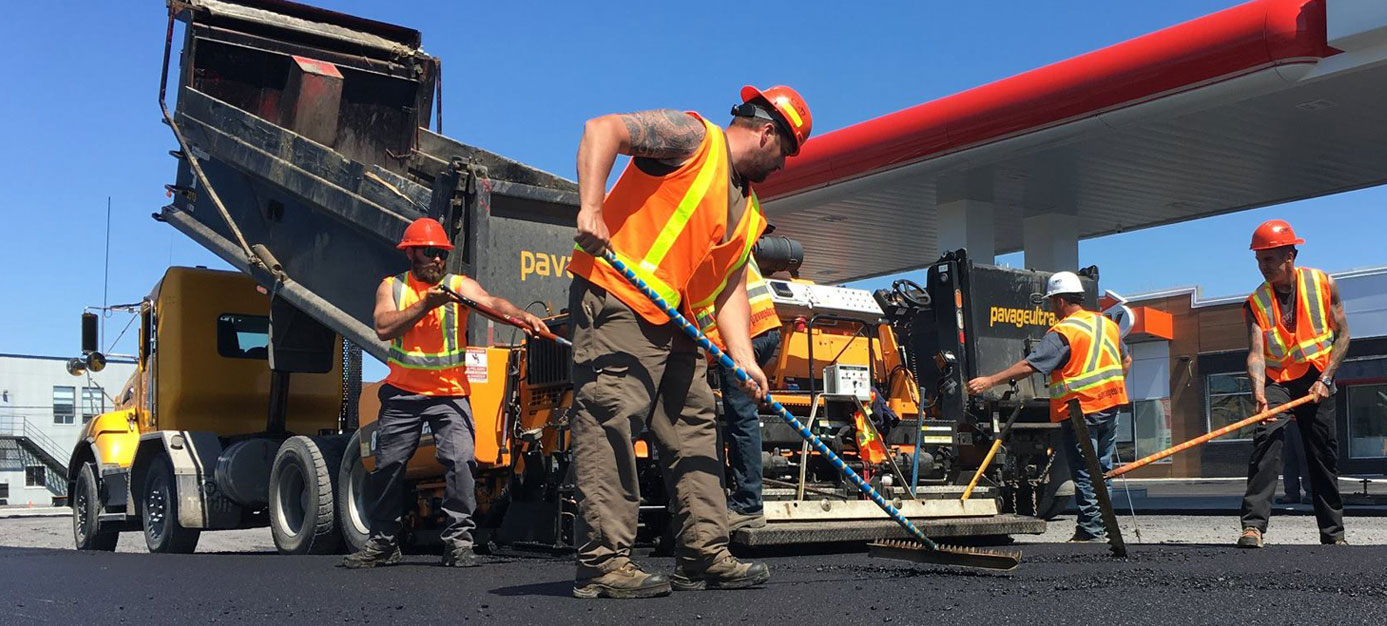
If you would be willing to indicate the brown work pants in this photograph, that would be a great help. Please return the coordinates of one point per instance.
(628, 376)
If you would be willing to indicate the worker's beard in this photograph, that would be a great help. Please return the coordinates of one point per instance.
(758, 170)
(428, 273)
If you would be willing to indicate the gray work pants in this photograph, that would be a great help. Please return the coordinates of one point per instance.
(402, 418)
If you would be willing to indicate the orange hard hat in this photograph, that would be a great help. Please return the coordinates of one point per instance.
(1274, 234)
(794, 114)
(425, 231)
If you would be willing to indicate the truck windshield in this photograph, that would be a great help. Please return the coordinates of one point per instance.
(243, 336)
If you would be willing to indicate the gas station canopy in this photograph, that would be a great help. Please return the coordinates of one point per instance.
(1267, 102)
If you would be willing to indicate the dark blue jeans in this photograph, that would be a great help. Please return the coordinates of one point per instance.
(1102, 429)
(741, 429)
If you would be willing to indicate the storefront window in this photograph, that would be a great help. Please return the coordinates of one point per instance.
(1143, 428)
(1228, 398)
(1367, 421)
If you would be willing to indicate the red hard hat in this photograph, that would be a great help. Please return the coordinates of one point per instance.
(425, 231)
(1274, 234)
(791, 108)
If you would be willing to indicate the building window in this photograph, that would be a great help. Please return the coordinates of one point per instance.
(1143, 428)
(35, 476)
(1367, 421)
(64, 404)
(243, 336)
(1228, 399)
(93, 403)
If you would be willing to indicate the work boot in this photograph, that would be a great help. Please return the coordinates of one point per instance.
(1288, 499)
(625, 582)
(728, 573)
(1333, 541)
(376, 552)
(1251, 538)
(737, 520)
(1082, 536)
(460, 556)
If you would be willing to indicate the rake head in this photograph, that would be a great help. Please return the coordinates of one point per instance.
(914, 551)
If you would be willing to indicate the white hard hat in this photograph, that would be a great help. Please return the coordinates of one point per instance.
(1063, 282)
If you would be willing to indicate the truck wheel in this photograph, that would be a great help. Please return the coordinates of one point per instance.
(86, 514)
(351, 497)
(301, 502)
(159, 501)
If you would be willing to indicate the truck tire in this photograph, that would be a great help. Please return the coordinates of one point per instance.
(302, 519)
(86, 514)
(351, 500)
(159, 511)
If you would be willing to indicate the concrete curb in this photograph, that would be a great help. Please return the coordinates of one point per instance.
(44, 511)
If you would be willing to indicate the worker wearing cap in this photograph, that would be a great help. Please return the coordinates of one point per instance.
(427, 331)
(683, 217)
(1085, 358)
(1297, 337)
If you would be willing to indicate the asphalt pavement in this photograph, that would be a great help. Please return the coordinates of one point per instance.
(1056, 584)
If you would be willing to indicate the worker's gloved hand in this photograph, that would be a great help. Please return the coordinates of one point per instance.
(534, 323)
(979, 385)
(436, 297)
(593, 236)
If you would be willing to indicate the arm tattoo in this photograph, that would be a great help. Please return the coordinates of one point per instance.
(1256, 362)
(1341, 337)
(665, 134)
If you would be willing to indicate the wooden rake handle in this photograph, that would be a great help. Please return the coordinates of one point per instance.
(1260, 417)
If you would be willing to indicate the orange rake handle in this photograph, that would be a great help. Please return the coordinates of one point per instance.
(1260, 417)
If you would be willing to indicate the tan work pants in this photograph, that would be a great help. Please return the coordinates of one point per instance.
(628, 376)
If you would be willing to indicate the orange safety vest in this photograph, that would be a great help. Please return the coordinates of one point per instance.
(431, 357)
(711, 278)
(663, 227)
(1290, 354)
(1094, 371)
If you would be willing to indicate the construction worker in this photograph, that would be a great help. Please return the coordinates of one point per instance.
(427, 331)
(741, 421)
(683, 217)
(1297, 336)
(1085, 358)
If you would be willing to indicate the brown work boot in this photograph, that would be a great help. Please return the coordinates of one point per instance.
(460, 556)
(375, 553)
(1251, 538)
(728, 573)
(625, 582)
(737, 520)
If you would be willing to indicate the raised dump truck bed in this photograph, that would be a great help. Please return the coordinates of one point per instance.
(305, 154)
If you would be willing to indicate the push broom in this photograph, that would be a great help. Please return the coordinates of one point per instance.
(921, 549)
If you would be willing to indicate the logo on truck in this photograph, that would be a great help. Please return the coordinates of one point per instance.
(543, 264)
(1020, 317)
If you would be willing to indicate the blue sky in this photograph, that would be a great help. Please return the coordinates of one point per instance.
(82, 122)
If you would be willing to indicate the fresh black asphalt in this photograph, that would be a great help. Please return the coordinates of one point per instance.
(1056, 584)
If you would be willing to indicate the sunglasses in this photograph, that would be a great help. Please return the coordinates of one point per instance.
(430, 252)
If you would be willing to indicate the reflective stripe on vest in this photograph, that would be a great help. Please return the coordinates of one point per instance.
(758, 294)
(752, 222)
(453, 354)
(645, 267)
(1289, 354)
(1093, 373)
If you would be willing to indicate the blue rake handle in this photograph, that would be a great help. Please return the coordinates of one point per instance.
(702, 340)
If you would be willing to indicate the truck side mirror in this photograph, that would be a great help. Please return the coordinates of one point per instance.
(90, 340)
